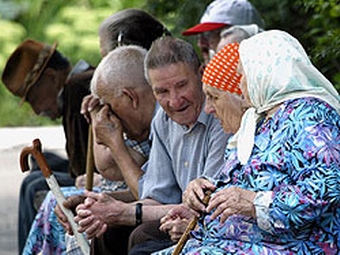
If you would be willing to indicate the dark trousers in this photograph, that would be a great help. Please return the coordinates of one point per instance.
(33, 183)
(113, 242)
(147, 238)
(140, 240)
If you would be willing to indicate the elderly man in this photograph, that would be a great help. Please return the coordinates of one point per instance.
(128, 106)
(128, 109)
(40, 75)
(123, 122)
(218, 16)
(186, 143)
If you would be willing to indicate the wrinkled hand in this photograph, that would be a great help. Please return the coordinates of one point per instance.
(107, 127)
(230, 201)
(97, 212)
(70, 203)
(194, 194)
(88, 105)
(176, 222)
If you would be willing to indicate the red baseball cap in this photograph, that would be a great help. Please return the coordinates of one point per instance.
(221, 13)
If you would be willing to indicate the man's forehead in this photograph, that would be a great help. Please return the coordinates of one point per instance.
(176, 76)
(174, 69)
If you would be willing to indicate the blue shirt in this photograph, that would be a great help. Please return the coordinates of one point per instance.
(180, 154)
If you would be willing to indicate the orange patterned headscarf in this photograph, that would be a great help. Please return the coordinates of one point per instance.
(221, 70)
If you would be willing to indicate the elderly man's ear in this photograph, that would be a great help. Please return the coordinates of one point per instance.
(132, 94)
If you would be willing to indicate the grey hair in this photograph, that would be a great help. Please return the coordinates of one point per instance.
(122, 67)
(169, 50)
(241, 33)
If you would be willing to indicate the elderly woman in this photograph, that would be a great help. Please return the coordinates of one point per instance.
(278, 192)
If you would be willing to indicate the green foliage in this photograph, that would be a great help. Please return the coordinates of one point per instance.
(178, 15)
(73, 37)
(10, 37)
(324, 31)
(37, 14)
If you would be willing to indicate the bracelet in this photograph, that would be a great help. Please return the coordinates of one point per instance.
(139, 213)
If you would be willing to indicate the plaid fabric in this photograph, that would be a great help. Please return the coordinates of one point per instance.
(109, 186)
(142, 147)
(72, 247)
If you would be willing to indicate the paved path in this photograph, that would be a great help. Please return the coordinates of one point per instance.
(12, 140)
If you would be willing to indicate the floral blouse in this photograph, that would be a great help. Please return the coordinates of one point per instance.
(295, 170)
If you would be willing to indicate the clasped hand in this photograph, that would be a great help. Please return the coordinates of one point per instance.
(224, 203)
(97, 213)
(176, 222)
(94, 213)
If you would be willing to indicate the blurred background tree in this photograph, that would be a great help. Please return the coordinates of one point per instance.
(74, 24)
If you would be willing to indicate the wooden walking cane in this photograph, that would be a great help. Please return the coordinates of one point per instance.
(36, 152)
(89, 160)
(190, 227)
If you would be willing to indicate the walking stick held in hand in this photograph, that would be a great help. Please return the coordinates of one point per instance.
(89, 161)
(190, 227)
(36, 152)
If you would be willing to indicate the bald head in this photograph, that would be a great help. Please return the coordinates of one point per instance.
(121, 68)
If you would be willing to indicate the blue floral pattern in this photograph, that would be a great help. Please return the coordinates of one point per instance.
(47, 234)
(296, 156)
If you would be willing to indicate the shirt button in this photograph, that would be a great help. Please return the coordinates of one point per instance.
(186, 164)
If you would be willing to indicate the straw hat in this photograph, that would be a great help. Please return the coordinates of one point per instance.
(25, 66)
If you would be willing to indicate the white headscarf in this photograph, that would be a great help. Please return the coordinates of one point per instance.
(277, 69)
